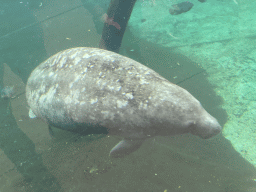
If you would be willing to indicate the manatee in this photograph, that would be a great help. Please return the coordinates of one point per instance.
(99, 91)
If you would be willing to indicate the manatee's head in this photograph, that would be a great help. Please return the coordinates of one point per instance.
(205, 125)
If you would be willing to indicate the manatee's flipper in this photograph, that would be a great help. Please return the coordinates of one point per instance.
(31, 114)
(125, 147)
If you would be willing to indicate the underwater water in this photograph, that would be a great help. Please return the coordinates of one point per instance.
(207, 48)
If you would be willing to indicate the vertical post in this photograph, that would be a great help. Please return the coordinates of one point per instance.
(115, 22)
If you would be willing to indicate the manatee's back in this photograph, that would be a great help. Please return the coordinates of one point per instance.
(91, 86)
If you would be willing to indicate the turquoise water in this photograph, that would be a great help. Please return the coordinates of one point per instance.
(209, 51)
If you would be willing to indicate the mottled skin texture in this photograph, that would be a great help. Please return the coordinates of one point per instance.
(83, 87)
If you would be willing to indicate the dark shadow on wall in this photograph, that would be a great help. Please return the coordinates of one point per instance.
(178, 69)
(20, 150)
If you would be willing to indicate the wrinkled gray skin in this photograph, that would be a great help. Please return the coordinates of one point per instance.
(90, 88)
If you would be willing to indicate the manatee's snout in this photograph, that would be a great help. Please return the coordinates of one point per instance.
(206, 127)
(212, 128)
